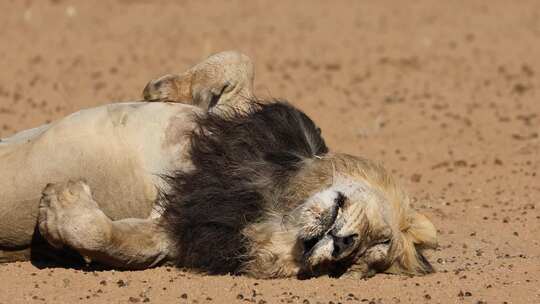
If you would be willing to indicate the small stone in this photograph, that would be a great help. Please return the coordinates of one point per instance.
(121, 283)
(460, 163)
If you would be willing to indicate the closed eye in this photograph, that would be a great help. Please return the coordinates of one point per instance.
(385, 241)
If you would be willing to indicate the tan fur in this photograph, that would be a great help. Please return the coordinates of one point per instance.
(226, 77)
(275, 246)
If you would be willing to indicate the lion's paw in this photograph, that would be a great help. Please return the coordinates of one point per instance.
(165, 89)
(69, 216)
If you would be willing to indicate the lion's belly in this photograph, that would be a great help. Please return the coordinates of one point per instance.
(120, 150)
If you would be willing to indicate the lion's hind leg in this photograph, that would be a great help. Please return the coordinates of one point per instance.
(69, 216)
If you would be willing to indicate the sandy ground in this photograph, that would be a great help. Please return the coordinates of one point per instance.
(446, 94)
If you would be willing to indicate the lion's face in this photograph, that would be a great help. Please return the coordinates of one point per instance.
(344, 222)
(353, 226)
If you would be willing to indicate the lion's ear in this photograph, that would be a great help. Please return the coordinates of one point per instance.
(418, 234)
(421, 231)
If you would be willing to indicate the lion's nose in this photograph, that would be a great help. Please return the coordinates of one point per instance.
(343, 244)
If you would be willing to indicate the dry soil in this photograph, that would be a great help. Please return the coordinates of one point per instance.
(445, 93)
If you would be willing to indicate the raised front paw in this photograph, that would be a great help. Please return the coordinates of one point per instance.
(225, 78)
(69, 216)
(170, 88)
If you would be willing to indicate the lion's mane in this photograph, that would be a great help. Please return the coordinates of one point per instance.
(241, 158)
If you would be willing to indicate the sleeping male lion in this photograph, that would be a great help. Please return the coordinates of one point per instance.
(208, 179)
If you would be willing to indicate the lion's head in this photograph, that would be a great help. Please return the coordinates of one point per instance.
(267, 199)
(349, 217)
(360, 218)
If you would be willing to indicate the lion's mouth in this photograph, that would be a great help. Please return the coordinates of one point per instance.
(331, 251)
(311, 242)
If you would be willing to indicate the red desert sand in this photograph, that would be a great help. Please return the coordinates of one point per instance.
(446, 94)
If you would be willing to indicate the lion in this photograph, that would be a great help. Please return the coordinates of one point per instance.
(203, 175)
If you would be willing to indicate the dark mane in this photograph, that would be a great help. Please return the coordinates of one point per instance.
(238, 156)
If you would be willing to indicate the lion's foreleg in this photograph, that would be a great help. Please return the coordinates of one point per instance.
(222, 79)
(14, 255)
(69, 216)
